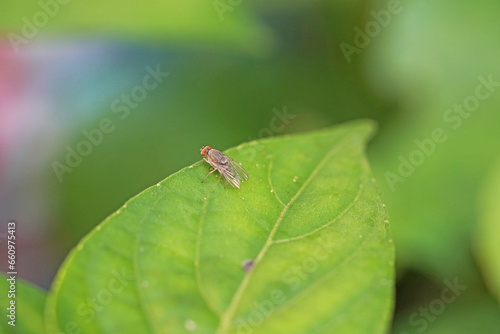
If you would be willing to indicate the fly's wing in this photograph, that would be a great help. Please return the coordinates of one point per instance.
(230, 175)
(238, 170)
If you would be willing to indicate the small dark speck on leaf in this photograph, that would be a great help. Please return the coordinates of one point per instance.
(247, 265)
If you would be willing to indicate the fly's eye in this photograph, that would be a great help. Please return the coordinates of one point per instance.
(204, 150)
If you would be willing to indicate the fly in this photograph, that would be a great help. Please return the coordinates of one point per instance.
(231, 170)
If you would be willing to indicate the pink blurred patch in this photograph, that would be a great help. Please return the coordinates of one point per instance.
(13, 84)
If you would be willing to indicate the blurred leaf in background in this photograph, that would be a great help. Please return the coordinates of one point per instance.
(474, 312)
(432, 210)
(487, 241)
(439, 61)
(176, 23)
(29, 303)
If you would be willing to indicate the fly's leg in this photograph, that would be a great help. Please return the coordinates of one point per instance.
(201, 162)
(213, 170)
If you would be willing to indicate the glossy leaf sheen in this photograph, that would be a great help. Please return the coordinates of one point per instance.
(169, 260)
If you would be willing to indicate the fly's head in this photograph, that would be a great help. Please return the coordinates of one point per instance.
(204, 150)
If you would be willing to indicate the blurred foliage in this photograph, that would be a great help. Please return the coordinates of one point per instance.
(178, 23)
(432, 211)
(471, 313)
(488, 230)
(29, 304)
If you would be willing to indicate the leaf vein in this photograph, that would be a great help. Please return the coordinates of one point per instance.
(340, 215)
(271, 183)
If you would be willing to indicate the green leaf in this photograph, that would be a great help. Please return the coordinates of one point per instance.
(29, 302)
(488, 231)
(170, 260)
